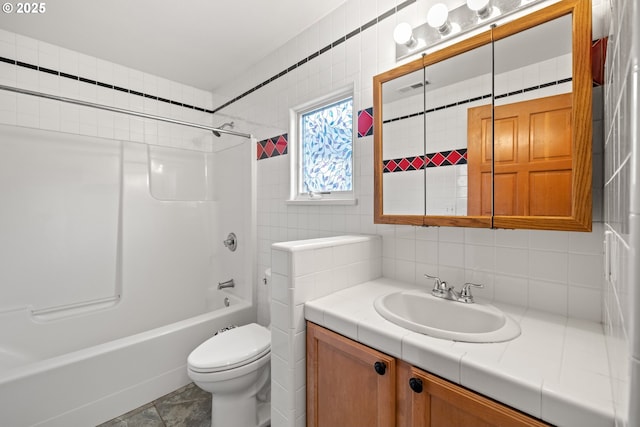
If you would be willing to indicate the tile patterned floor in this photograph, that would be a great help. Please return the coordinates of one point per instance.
(188, 406)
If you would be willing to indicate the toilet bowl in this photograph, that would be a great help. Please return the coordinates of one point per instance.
(234, 366)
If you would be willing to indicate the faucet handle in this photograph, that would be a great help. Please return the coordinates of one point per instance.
(465, 293)
(439, 287)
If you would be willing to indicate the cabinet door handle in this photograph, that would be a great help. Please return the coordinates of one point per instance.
(415, 384)
(380, 368)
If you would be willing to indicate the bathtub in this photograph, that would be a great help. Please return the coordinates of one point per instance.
(88, 386)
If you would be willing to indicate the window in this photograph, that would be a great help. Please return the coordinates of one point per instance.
(321, 141)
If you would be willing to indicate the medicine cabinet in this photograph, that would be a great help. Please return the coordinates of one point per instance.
(494, 131)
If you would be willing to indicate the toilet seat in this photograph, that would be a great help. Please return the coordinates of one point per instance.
(231, 349)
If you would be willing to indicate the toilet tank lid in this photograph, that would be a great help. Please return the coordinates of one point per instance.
(230, 348)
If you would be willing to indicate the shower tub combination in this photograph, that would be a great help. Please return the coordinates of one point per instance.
(109, 264)
(92, 385)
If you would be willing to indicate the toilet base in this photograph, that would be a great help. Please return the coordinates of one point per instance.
(264, 414)
(233, 412)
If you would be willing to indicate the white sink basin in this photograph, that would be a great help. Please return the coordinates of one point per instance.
(421, 312)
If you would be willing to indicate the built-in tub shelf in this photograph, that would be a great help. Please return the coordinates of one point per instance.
(62, 311)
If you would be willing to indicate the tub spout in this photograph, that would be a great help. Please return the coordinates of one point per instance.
(228, 284)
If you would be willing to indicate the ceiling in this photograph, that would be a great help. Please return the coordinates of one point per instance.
(201, 43)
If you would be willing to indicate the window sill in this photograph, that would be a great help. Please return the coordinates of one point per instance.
(322, 202)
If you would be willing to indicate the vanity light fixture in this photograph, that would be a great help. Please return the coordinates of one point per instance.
(438, 18)
(403, 35)
(444, 24)
(482, 8)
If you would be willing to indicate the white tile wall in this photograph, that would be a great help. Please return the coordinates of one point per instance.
(516, 266)
(25, 110)
(302, 271)
(404, 192)
(621, 153)
(554, 271)
(511, 263)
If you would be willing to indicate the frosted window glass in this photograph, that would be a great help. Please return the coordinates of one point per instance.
(327, 148)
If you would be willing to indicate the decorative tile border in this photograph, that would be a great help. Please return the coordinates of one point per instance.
(365, 122)
(447, 158)
(431, 160)
(278, 145)
(365, 128)
(101, 84)
(478, 98)
(325, 49)
(272, 147)
(536, 87)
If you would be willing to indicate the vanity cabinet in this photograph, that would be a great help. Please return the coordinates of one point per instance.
(346, 386)
(425, 400)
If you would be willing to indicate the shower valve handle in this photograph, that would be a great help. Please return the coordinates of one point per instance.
(231, 242)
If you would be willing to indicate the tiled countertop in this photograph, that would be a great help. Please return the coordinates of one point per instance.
(556, 370)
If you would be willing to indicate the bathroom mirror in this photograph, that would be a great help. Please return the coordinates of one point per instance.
(454, 86)
(508, 108)
(403, 129)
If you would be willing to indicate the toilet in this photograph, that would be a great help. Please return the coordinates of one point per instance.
(234, 366)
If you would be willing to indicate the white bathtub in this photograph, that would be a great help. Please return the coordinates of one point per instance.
(92, 385)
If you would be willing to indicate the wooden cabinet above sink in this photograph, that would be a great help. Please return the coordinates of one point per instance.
(494, 131)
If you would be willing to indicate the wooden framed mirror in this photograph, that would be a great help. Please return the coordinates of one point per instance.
(493, 131)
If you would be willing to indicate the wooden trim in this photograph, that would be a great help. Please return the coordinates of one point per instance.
(457, 221)
(312, 379)
(399, 71)
(459, 48)
(475, 116)
(582, 204)
(581, 219)
(378, 199)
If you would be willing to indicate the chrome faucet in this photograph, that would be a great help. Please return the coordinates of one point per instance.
(228, 284)
(442, 290)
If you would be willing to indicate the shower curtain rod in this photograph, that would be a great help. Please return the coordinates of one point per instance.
(120, 110)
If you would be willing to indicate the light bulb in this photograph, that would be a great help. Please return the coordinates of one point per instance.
(482, 8)
(403, 34)
(438, 18)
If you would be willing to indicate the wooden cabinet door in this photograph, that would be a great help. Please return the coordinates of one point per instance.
(533, 158)
(344, 386)
(435, 402)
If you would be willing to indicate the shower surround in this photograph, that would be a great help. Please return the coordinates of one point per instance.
(112, 232)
